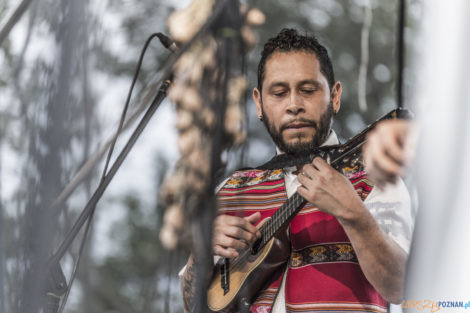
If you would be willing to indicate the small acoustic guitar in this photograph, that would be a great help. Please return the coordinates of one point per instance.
(236, 282)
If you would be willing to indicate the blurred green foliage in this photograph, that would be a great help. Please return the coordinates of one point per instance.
(139, 275)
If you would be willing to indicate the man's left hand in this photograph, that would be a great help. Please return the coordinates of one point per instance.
(328, 190)
(332, 193)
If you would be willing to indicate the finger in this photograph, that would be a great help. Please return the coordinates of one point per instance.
(401, 129)
(371, 146)
(394, 149)
(252, 219)
(304, 179)
(246, 230)
(410, 143)
(372, 153)
(225, 252)
(374, 157)
(377, 173)
(388, 165)
(235, 232)
(228, 220)
(379, 176)
(308, 171)
(376, 154)
(247, 226)
(230, 242)
(393, 135)
(320, 164)
(301, 190)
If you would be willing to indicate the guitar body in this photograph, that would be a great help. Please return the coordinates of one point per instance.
(249, 273)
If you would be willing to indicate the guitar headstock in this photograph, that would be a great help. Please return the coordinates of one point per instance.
(347, 158)
(344, 158)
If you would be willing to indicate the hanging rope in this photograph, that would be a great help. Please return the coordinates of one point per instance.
(362, 80)
(208, 89)
(401, 51)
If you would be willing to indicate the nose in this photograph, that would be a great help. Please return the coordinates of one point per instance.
(295, 105)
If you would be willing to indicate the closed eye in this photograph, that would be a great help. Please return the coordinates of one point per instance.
(279, 93)
(308, 91)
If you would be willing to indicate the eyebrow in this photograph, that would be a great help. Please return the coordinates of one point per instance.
(313, 82)
(278, 84)
(301, 83)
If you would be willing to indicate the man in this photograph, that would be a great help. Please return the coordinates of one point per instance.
(347, 255)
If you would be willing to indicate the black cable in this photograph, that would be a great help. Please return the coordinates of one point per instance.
(401, 51)
(126, 106)
(105, 169)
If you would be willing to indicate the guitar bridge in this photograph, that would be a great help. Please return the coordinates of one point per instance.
(225, 276)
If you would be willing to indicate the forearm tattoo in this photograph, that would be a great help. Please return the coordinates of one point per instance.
(188, 287)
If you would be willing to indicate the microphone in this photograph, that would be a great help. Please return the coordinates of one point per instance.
(167, 42)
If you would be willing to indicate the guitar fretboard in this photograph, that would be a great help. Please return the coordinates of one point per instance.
(280, 218)
(339, 157)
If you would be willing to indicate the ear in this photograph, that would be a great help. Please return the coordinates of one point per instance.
(336, 96)
(258, 101)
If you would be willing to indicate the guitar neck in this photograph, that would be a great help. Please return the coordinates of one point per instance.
(278, 220)
(339, 157)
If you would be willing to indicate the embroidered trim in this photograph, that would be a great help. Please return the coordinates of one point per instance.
(361, 184)
(323, 253)
(335, 306)
(253, 177)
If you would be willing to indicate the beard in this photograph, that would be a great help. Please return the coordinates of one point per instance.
(322, 130)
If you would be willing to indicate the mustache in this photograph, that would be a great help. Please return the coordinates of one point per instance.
(306, 121)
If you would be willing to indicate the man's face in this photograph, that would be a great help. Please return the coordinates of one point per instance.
(296, 103)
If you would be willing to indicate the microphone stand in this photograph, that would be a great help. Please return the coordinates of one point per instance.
(55, 283)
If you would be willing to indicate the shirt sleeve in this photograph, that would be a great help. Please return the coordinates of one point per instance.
(181, 272)
(392, 210)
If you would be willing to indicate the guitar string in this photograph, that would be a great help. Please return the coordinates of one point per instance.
(289, 207)
(275, 223)
(268, 230)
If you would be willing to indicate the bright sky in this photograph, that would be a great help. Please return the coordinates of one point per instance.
(137, 174)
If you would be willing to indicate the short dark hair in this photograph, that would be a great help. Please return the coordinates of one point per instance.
(288, 40)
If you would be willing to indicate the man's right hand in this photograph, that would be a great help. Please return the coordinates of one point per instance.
(232, 233)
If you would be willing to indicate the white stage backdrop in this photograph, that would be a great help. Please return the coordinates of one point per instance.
(439, 267)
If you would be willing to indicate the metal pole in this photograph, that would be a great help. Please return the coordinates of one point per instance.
(2, 297)
(15, 17)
